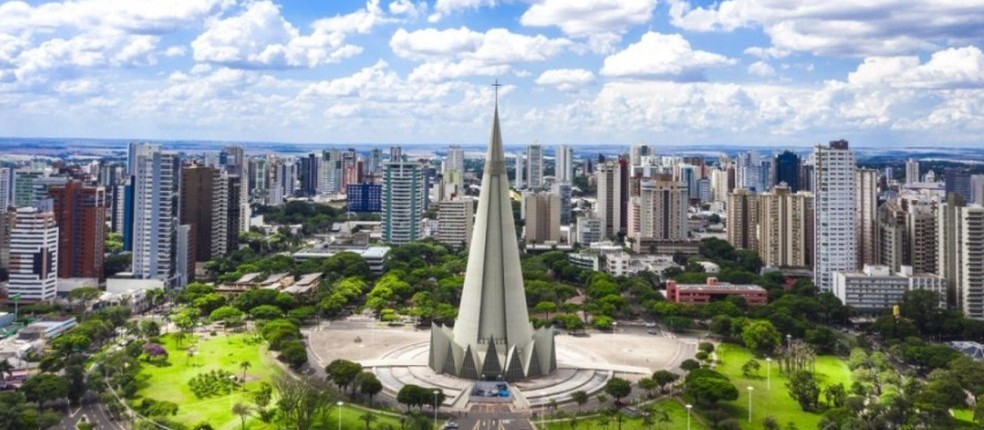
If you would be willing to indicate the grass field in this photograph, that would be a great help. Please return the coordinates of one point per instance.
(964, 416)
(675, 410)
(226, 352)
(775, 401)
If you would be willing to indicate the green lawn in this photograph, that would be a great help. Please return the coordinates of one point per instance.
(677, 414)
(964, 416)
(775, 401)
(222, 352)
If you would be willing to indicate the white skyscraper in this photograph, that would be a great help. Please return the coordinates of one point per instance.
(5, 183)
(34, 255)
(564, 167)
(404, 199)
(835, 224)
(534, 166)
(520, 172)
(970, 248)
(157, 180)
(911, 171)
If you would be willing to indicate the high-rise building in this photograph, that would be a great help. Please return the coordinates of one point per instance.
(977, 189)
(184, 256)
(783, 222)
(662, 211)
(970, 281)
(157, 181)
(893, 248)
(957, 180)
(365, 197)
(542, 213)
(226, 214)
(520, 168)
(866, 201)
(719, 185)
(835, 224)
(743, 219)
(748, 173)
(396, 154)
(80, 213)
(197, 203)
(404, 195)
(788, 170)
(564, 168)
(534, 166)
(947, 244)
(911, 171)
(563, 190)
(608, 206)
(454, 220)
(5, 188)
(6, 223)
(921, 233)
(33, 255)
(28, 189)
(308, 174)
(233, 160)
(589, 230)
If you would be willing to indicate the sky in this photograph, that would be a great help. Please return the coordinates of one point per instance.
(882, 73)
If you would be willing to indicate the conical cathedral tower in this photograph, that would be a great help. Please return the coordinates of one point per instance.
(493, 337)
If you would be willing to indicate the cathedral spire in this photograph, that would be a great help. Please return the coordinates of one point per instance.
(493, 320)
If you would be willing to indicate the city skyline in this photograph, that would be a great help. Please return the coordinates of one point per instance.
(606, 72)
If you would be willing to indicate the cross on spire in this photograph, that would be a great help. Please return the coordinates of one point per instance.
(496, 85)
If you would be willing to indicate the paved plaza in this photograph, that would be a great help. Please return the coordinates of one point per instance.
(398, 356)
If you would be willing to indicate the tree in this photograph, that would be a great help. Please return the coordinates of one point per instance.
(690, 364)
(6, 369)
(580, 397)
(618, 388)
(301, 402)
(751, 368)
(835, 395)
(242, 411)
(711, 389)
(546, 308)
(664, 378)
(44, 387)
(226, 314)
(760, 335)
(368, 418)
(84, 295)
(75, 374)
(294, 354)
(244, 365)
(265, 312)
(369, 385)
(343, 372)
(648, 385)
(263, 395)
(802, 386)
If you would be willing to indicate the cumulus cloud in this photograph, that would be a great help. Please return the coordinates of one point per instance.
(842, 28)
(565, 79)
(662, 57)
(455, 53)
(761, 69)
(50, 42)
(949, 68)
(261, 38)
(603, 22)
(444, 8)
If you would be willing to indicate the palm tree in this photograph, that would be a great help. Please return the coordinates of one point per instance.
(243, 411)
(367, 418)
(244, 365)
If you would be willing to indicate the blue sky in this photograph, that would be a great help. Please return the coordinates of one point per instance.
(754, 72)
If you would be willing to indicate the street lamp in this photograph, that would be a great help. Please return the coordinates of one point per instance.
(436, 392)
(768, 373)
(339, 414)
(689, 407)
(750, 388)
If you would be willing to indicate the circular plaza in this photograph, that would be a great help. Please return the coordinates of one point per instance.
(399, 355)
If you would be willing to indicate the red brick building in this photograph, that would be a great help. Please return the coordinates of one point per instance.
(713, 290)
(80, 212)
